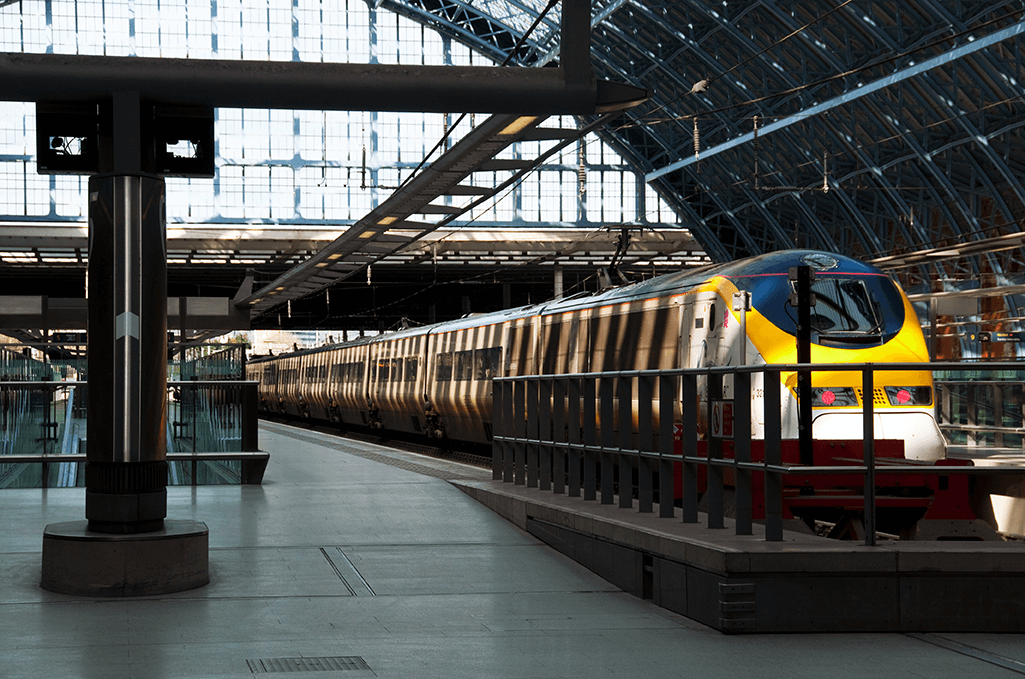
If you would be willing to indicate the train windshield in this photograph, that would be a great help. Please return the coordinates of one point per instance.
(855, 309)
(844, 308)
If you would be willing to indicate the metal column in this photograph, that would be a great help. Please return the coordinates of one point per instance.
(126, 471)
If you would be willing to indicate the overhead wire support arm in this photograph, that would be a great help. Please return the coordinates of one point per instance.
(882, 83)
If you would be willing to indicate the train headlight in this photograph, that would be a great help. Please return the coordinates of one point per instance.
(909, 396)
(833, 397)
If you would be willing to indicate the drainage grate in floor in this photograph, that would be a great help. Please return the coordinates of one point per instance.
(327, 664)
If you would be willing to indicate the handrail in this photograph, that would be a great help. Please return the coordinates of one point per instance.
(229, 420)
(522, 455)
(254, 463)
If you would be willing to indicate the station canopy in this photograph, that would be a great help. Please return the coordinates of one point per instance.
(890, 131)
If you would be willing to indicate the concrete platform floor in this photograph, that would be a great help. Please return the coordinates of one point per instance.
(368, 556)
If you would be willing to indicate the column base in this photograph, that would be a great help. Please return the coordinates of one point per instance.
(125, 512)
(86, 563)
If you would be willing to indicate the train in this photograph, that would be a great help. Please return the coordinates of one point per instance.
(435, 381)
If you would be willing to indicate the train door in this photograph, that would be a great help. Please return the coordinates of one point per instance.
(727, 350)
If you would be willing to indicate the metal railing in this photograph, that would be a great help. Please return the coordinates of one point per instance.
(212, 433)
(982, 411)
(559, 433)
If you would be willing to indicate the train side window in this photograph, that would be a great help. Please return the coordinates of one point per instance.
(383, 366)
(444, 373)
(411, 367)
(463, 367)
(487, 362)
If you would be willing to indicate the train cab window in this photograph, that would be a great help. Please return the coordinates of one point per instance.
(444, 370)
(711, 318)
(410, 371)
(853, 310)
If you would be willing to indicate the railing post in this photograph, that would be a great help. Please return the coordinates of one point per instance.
(868, 450)
(972, 412)
(497, 429)
(625, 398)
(558, 435)
(520, 428)
(608, 440)
(667, 391)
(532, 433)
(250, 417)
(715, 475)
(742, 448)
(997, 394)
(773, 456)
(544, 433)
(508, 429)
(689, 447)
(590, 422)
(644, 396)
(574, 437)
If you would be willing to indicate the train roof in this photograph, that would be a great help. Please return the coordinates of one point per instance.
(681, 281)
(665, 285)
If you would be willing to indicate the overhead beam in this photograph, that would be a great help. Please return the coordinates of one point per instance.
(54, 313)
(571, 89)
(387, 229)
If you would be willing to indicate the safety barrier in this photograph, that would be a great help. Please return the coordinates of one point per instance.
(537, 444)
(212, 433)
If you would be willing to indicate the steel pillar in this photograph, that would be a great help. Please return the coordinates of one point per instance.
(126, 471)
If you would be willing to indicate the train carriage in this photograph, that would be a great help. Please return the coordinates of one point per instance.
(436, 380)
(396, 381)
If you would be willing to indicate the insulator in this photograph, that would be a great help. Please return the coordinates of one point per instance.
(363, 182)
(825, 173)
(755, 146)
(289, 308)
(697, 141)
(368, 274)
(581, 172)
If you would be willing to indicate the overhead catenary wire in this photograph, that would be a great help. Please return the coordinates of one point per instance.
(704, 84)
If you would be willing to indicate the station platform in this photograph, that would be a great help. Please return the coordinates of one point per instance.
(356, 560)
